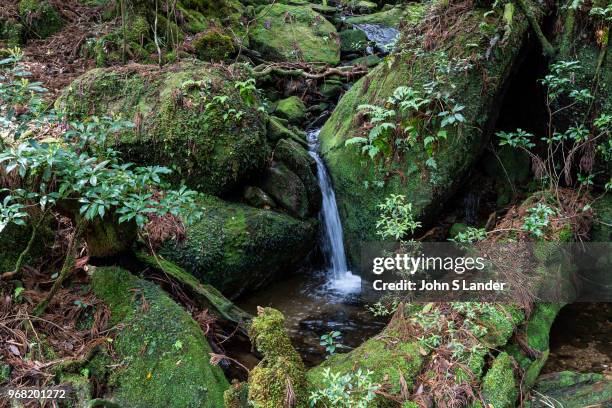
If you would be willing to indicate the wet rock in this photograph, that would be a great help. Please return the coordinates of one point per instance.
(295, 33)
(297, 159)
(292, 109)
(256, 197)
(237, 248)
(286, 188)
(161, 354)
(330, 90)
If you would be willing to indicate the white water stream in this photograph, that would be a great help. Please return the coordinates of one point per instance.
(340, 278)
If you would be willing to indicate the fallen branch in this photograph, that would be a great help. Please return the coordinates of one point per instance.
(548, 49)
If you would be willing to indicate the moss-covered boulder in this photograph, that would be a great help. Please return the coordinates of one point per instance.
(391, 17)
(292, 109)
(278, 130)
(213, 45)
(238, 248)
(499, 387)
(361, 183)
(162, 356)
(279, 380)
(352, 41)
(295, 33)
(286, 188)
(572, 390)
(258, 198)
(41, 18)
(188, 116)
(297, 159)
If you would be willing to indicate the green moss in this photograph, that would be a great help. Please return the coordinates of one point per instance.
(391, 17)
(574, 390)
(287, 190)
(161, 352)
(11, 32)
(297, 159)
(237, 396)
(213, 45)
(292, 109)
(499, 387)
(42, 18)
(295, 33)
(356, 177)
(281, 369)
(388, 358)
(178, 126)
(14, 239)
(235, 247)
(353, 41)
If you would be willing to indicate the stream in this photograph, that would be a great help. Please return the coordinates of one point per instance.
(319, 301)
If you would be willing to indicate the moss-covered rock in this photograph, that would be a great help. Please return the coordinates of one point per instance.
(161, 352)
(292, 109)
(237, 248)
(357, 178)
(572, 390)
(280, 377)
(352, 41)
(297, 159)
(388, 18)
(499, 387)
(258, 198)
(295, 33)
(278, 130)
(213, 45)
(41, 17)
(287, 190)
(185, 116)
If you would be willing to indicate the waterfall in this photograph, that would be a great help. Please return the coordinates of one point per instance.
(340, 278)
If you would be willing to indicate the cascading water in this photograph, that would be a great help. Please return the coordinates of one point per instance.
(341, 279)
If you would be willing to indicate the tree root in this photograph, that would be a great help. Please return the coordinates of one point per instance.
(547, 47)
(306, 71)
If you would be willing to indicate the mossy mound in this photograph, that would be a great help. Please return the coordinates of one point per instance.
(357, 179)
(214, 45)
(162, 352)
(281, 372)
(292, 109)
(41, 18)
(237, 248)
(353, 41)
(11, 32)
(188, 116)
(499, 387)
(295, 33)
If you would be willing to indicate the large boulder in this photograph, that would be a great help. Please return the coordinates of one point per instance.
(286, 188)
(296, 158)
(295, 33)
(161, 354)
(357, 179)
(238, 248)
(292, 109)
(188, 116)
